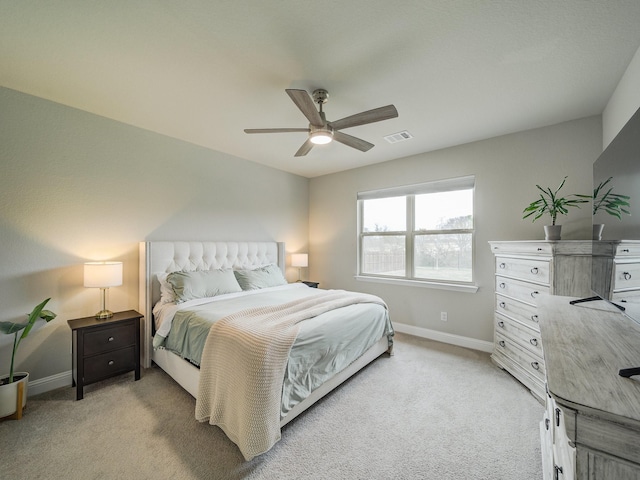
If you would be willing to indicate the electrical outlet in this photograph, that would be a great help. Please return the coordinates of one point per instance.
(443, 316)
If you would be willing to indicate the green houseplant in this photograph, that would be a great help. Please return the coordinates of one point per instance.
(8, 389)
(614, 204)
(551, 203)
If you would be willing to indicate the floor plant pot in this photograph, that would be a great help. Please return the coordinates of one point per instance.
(13, 396)
(552, 232)
(597, 231)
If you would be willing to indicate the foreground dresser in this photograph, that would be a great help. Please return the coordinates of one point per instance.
(524, 271)
(591, 426)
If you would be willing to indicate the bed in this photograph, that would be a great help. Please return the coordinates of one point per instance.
(195, 321)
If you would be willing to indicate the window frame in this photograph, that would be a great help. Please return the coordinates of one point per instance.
(410, 234)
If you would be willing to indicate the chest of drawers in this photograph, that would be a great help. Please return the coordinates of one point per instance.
(524, 270)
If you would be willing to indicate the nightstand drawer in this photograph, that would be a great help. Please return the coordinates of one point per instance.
(108, 364)
(109, 338)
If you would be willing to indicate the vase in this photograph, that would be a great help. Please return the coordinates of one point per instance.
(9, 393)
(552, 232)
(597, 231)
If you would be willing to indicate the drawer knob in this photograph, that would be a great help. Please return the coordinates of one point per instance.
(534, 342)
(534, 270)
(501, 324)
(111, 339)
(625, 250)
(534, 293)
(535, 365)
(539, 249)
(502, 305)
(502, 285)
(546, 423)
(534, 318)
(503, 265)
(501, 343)
(626, 275)
(111, 362)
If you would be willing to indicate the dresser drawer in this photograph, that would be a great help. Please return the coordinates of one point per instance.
(523, 291)
(530, 363)
(109, 338)
(522, 248)
(628, 250)
(626, 276)
(524, 336)
(108, 364)
(523, 312)
(524, 269)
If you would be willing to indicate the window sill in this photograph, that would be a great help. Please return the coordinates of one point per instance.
(455, 287)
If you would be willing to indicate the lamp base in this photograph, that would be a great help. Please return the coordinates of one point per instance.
(104, 314)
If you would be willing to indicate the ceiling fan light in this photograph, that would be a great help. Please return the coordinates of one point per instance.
(321, 137)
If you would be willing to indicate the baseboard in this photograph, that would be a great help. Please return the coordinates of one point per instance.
(443, 337)
(42, 385)
(65, 379)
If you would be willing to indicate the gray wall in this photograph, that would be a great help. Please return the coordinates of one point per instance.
(506, 170)
(76, 187)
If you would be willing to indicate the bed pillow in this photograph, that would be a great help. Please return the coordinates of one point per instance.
(166, 290)
(261, 277)
(202, 283)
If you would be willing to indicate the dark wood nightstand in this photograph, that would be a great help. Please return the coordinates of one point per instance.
(312, 284)
(105, 348)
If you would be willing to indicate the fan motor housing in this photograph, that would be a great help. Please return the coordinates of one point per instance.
(320, 96)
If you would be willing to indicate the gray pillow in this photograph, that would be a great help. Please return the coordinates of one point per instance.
(202, 283)
(261, 277)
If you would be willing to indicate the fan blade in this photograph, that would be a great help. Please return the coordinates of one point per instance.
(304, 102)
(304, 149)
(275, 130)
(370, 116)
(354, 142)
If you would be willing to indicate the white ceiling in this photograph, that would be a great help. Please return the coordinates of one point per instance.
(202, 70)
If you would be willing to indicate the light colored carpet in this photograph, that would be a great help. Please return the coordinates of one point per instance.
(432, 411)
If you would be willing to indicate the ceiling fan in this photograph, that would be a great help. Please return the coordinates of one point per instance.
(320, 130)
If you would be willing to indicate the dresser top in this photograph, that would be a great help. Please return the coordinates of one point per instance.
(585, 345)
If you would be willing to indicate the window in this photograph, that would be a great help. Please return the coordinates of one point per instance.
(418, 232)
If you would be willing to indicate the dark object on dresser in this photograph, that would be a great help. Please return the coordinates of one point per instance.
(312, 284)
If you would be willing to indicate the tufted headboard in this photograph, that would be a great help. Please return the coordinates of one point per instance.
(165, 257)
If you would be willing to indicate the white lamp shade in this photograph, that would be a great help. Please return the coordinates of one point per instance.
(300, 260)
(102, 274)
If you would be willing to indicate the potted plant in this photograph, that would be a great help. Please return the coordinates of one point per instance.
(613, 203)
(551, 203)
(10, 383)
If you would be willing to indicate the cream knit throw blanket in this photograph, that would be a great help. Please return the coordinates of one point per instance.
(243, 365)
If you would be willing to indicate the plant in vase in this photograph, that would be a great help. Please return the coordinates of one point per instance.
(551, 203)
(613, 203)
(8, 387)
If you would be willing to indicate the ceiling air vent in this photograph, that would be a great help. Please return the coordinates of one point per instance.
(398, 137)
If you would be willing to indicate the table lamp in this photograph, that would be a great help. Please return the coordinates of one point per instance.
(300, 260)
(103, 275)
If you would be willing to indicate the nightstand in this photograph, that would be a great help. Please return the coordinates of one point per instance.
(105, 348)
(312, 284)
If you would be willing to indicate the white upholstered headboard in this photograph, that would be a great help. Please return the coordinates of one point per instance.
(165, 257)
